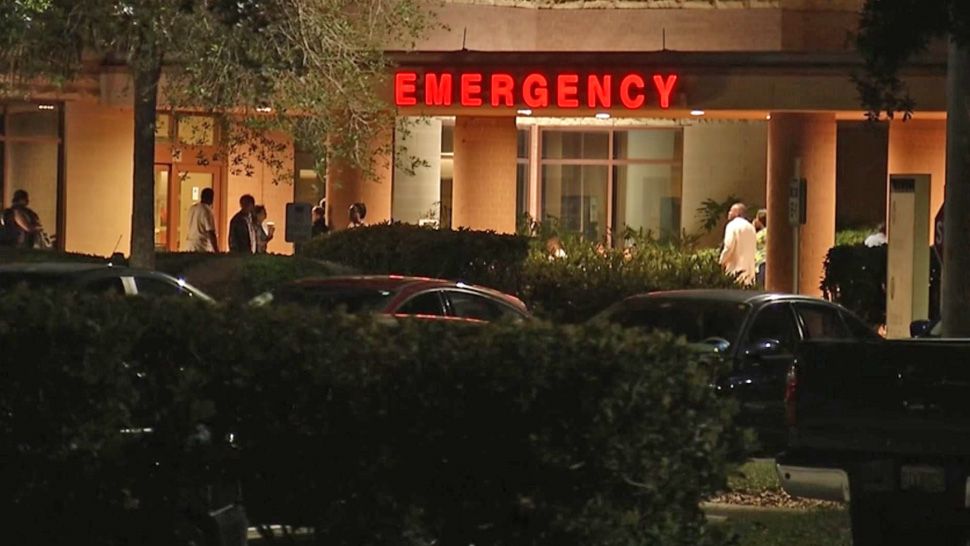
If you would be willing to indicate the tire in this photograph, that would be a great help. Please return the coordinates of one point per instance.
(874, 525)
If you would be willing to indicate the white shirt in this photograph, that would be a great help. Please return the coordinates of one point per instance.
(201, 222)
(876, 239)
(740, 247)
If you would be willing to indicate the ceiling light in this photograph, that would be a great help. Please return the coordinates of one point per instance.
(525, 112)
(264, 109)
(45, 106)
(768, 117)
(602, 115)
(697, 112)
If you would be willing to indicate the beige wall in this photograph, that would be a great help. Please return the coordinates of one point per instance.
(919, 147)
(723, 158)
(271, 189)
(98, 169)
(417, 191)
(347, 184)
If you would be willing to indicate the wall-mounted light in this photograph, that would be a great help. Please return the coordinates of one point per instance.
(525, 112)
(602, 115)
(697, 112)
(46, 107)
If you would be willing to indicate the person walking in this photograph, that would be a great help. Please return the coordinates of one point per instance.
(740, 245)
(264, 230)
(202, 225)
(242, 228)
(21, 225)
(761, 242)
(357, 212)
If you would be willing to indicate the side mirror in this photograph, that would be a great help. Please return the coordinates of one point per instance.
(920, 328)
(763, 347)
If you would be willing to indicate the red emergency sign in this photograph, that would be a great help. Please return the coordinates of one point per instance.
(629, 90)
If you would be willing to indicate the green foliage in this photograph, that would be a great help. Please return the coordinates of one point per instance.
(570, 289)
(855, 277)
(755, 477)
(712, 213)
(369, 433)
(848, 237)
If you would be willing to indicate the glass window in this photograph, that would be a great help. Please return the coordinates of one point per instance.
(428, 303)
(447, 139)
(153, 287)
(576, 195)
(107, 285)
(575, 145)
(774, 322)
(647, 197)
(308, 187)
(696, 320)
(30, 121)
(822, 322)
(447, 175)
(163, 127)
(196, 130)
(349, 299)
(648, 144)
(473, 306)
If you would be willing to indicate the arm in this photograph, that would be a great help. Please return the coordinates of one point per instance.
(730, 243)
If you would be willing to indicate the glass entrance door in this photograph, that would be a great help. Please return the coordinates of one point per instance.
(190, 186)
(162, 179)
(177, 188)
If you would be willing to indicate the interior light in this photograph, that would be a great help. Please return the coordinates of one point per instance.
(602, 115)
(697, 112)
(45, 106)
(768, 117)
(525, 112)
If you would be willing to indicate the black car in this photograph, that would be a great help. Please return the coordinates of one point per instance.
(96, 278)
(759, 333)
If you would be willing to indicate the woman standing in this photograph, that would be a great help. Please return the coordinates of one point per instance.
(264, 230)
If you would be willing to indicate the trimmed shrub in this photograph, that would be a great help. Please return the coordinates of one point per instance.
(855, 277)
(368, 432)
(480, 257)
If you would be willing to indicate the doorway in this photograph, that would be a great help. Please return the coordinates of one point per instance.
(177, 188)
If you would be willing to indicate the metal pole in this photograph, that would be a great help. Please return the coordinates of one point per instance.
(796, 230)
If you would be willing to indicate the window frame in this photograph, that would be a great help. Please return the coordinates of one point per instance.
(795, 323)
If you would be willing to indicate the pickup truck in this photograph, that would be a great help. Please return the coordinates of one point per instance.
(885, 426)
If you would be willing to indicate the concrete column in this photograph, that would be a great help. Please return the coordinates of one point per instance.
(811, 138)
(348, 184)
(483, 194)
(919, 147)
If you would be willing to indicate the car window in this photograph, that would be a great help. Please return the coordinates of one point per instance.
(153, 287)
(857, 328)
(106, 285)
(821, 322)
(473, 306)
(351, 299)
(774, 322)
(695, 319)
(428, 303)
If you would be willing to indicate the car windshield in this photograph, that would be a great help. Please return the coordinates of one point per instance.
(350, 299)
(697, 320)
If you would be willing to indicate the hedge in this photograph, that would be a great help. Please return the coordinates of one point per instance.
(367, 432)
(568, 290)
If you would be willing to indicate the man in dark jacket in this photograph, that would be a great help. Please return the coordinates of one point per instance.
(242, 227)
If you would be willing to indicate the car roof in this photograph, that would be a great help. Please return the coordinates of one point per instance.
(52, 268)
(750, 297)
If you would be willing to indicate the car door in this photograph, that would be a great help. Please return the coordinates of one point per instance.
(427, 304)
(765, 354)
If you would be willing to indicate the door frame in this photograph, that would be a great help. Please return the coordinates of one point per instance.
(175, 171)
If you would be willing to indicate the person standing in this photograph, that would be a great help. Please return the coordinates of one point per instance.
(761, 240)
(202, 225)
(21, 225)
(357, 212)
(740, 245)
(878, 237)
(319, 222)
(264, 233)
(242, 229)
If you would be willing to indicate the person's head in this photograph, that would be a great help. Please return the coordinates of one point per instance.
(20, 197)
(763, 217)
(357, 212)
(738, 210)
(247, 203)
(259, 212)
(208, 196)
(317, 213)
(881, 228)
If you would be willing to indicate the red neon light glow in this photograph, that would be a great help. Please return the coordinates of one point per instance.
(535, 91)
(627, 85)
(502, 87)
(665, 87)
(471, 89)
(405, 87)
(600, 91)
(567, 89)
(438, 89)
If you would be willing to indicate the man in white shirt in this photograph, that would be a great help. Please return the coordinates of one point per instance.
(202, 225)
(740, 245)
(878, 238)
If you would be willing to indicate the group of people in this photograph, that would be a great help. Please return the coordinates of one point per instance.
(20, 226)
(745, 245)
(249, 232)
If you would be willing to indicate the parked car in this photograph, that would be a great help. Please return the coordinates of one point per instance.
(760, 334)
(400, 296)
(885, 426)
(96, 278)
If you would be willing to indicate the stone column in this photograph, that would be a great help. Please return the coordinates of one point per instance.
(348, 184)
(811, 138)
(483, 193)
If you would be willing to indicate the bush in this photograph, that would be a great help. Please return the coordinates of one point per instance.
(568, 290)
(855, 277)
(367, 432)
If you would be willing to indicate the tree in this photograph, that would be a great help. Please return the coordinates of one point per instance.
(892, 32)
(308, 68)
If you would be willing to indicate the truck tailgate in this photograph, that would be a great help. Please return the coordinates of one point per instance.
(892, 397)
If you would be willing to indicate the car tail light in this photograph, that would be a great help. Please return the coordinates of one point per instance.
(791, 396)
